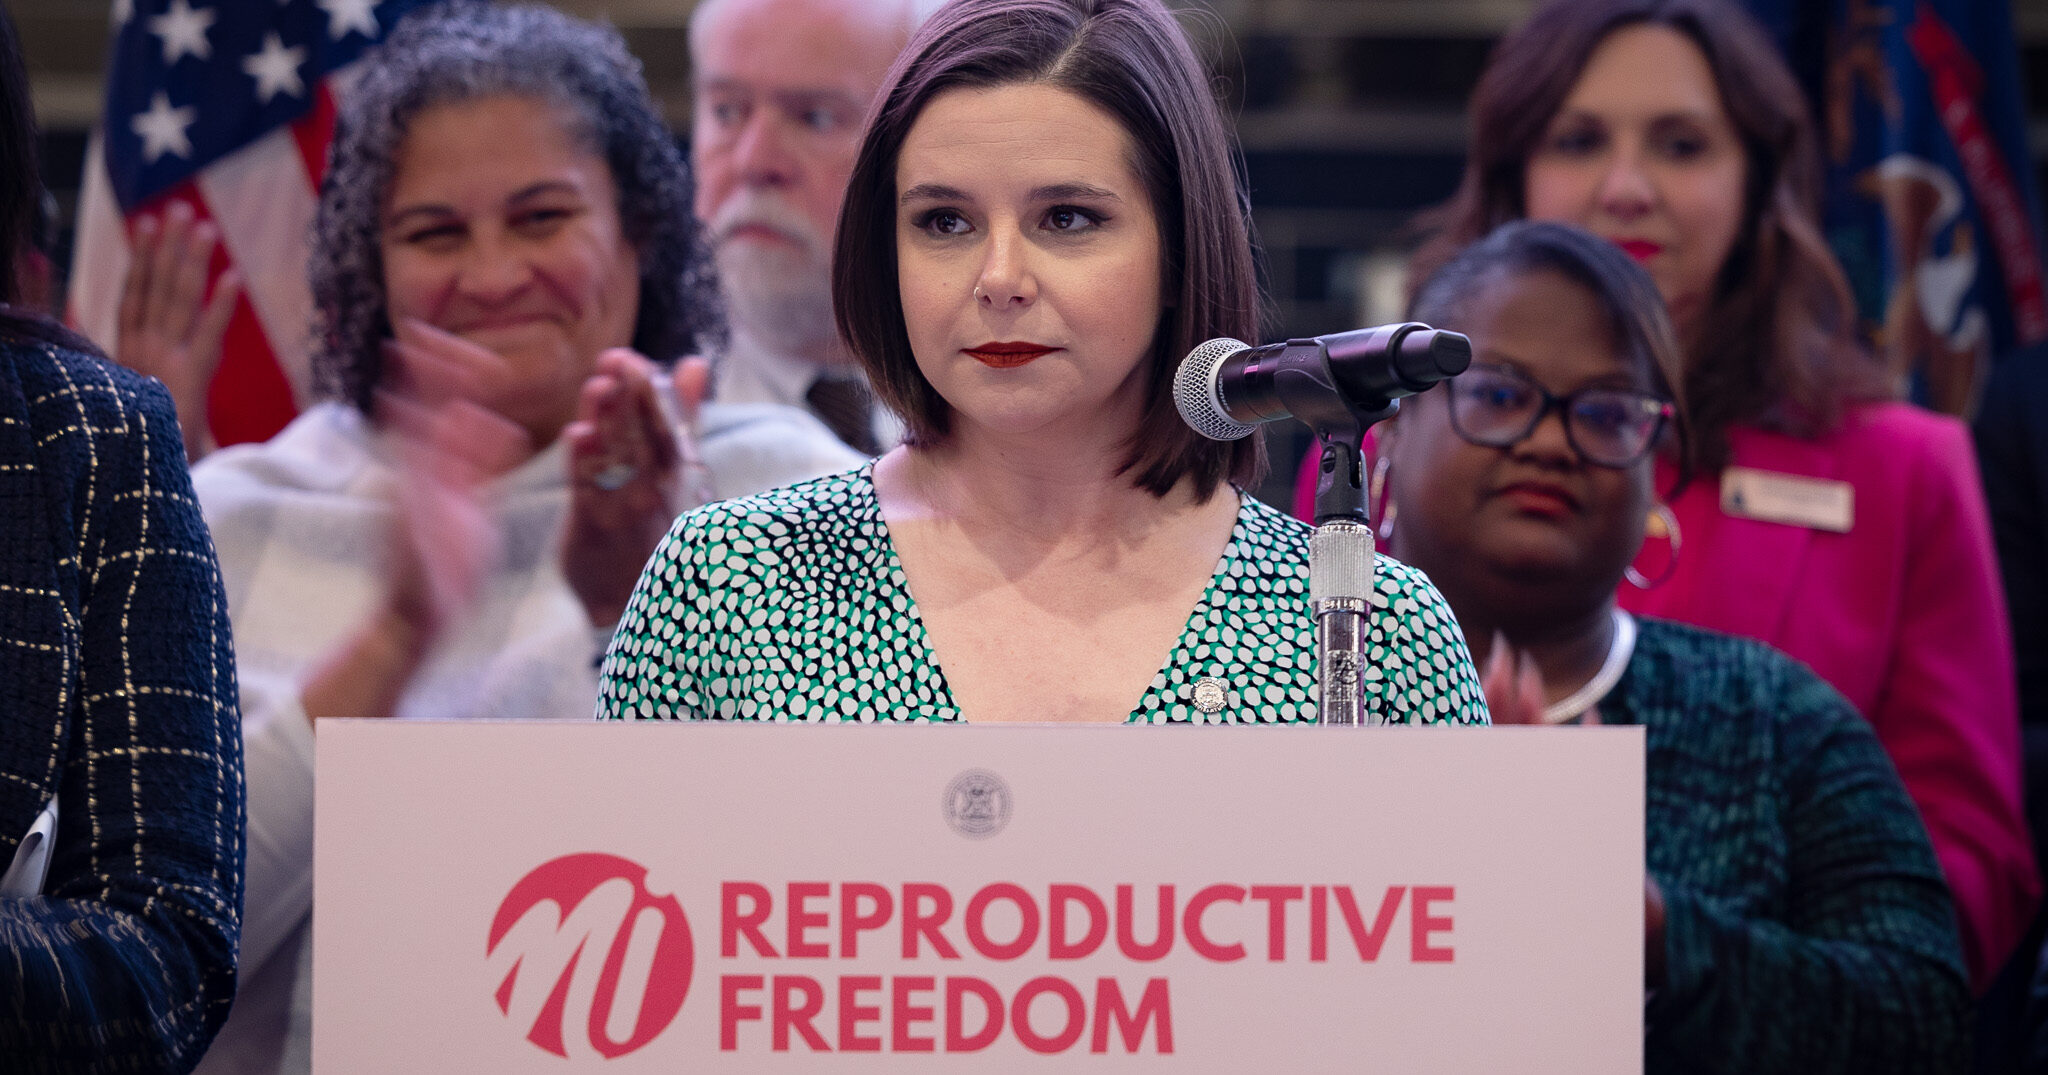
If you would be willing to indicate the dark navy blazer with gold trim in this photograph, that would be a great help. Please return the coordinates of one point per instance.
(117, 696)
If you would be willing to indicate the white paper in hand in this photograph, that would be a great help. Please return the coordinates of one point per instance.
(24, 876)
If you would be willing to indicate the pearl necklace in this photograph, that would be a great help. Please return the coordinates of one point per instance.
(1619, 649)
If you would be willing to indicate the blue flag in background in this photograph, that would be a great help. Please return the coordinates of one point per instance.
(1930, 200)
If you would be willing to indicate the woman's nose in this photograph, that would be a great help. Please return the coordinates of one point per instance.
(493, 270)
(1006, 278)
(1549, 440)
(1625, 188)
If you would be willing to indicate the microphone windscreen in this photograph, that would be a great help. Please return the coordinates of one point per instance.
(1196, 393)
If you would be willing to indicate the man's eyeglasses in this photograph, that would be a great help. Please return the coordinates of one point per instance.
(1498, 407)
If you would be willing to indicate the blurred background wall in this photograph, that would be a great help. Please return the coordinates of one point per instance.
(1350, 113)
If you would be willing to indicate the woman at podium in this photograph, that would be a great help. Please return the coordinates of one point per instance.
(1042, 220)
(1796, 918)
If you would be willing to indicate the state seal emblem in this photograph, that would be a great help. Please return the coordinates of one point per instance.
(977, 804)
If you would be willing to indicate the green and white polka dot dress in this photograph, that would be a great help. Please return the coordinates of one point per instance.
(791, 605)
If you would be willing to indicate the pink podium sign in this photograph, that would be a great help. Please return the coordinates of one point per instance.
(534, 897)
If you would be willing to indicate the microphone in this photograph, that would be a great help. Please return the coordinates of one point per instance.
(1338, 385)
(1224, 387)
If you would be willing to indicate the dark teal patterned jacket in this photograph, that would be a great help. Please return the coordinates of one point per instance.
(117, 697)
(1807, 929)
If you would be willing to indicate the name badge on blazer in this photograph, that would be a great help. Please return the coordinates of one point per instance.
(1816, 503)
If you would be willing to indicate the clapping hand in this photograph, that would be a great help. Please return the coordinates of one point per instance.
(170, 328)
(451, 448)
(443, 538)
(633, 468)
(1513, 684)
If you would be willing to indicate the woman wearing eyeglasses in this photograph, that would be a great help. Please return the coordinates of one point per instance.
(1846, 530)
(1795, 917)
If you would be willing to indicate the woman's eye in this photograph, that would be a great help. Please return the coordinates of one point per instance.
(1576, 141)
(1069, 219)
(1604, 415)
(1684, 147)
(943, 222)
(1490, 395)
(1500, 397)
(540, 220)
(441, 234)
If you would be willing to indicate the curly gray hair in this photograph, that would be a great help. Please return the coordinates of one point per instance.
(463, 50)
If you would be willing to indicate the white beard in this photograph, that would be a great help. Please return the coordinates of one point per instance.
(779, 298)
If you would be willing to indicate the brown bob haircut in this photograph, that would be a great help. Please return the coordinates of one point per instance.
(1776, 344)
(1130, 59)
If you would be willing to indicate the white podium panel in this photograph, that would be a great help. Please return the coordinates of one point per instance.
(534, 897)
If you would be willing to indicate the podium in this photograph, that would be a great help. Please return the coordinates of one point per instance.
(642, 897)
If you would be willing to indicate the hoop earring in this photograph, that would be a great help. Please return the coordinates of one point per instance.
(1662, 523)
(1376, 499)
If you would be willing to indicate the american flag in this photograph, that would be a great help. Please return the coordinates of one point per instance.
(228, 106)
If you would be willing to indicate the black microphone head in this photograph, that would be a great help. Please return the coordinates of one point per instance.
(1197, 395)
(1426, 356)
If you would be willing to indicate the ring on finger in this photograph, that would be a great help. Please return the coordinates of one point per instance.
(614, 476)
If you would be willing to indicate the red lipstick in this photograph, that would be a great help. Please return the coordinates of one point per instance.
(1540, 498)
(1639, 249)
(1008, 356)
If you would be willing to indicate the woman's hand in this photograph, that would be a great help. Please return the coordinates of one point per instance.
(1513, 684)
(170, 328)
(632, 470)
(451, 446)
(443, 539)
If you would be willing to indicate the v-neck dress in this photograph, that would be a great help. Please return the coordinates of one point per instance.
(791, 605)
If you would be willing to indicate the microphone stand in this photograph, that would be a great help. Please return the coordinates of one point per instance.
(1340, 552)
(1339, 385)
(1341, 567)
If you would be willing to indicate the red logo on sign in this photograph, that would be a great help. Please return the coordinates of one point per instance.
(584, 935)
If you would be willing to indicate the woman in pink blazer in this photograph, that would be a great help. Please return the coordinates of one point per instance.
(1901, 613)
(1848, 530)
